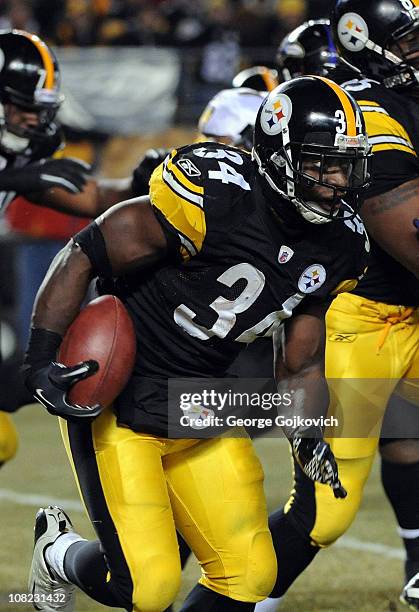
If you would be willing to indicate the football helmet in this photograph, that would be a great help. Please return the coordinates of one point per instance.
(260, 78)
(231, 114)
(309, 49)
(308, 130)
(29, 80)
(381, 38)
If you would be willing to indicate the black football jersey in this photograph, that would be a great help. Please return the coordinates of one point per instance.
(45, 149)
(235, 271)
(392, 123)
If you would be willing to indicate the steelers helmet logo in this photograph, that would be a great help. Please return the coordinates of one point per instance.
(276, 114)
(312, 278)
(353, 32)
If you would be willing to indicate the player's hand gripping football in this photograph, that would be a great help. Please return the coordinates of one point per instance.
(51, 384)
(316, 459)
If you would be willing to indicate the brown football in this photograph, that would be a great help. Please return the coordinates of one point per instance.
(102, 331)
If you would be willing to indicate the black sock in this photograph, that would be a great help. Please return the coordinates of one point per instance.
(201, 599)
(294, 552)
(184, 550)
(85, 566)
(401, 484)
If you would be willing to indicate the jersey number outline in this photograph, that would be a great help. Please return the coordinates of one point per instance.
(226, 173)
(228, 309)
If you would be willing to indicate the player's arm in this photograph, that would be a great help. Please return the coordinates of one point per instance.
(300, 369)
(388, 218)
(125, 238)
(93, 199)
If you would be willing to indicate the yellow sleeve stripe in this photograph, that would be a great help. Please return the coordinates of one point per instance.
(181, 177)
(386, 129)
(390, 147)
(368, 102)
(346, 105)
(46, 58)
(185, 217)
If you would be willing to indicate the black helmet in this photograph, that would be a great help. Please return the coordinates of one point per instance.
(309, 49)
(29, 79)
(368, 35)
(260, 78)
(312, 120)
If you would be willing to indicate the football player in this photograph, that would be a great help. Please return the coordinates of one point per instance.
(29, 135)
(373, 332)
(198, 270)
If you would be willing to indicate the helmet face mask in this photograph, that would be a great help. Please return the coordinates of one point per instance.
(312, 161)
(380, 38)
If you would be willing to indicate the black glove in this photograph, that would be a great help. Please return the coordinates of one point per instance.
(50, 385)
(316, 459)
(67, 173)
(142, 173)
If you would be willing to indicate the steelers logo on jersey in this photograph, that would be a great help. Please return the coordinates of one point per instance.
(353, 32)
(276, 114)
(312, 278)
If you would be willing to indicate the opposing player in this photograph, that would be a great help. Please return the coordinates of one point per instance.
(373, 332)
(199, 272)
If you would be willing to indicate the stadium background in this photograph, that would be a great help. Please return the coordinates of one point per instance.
(136, 74)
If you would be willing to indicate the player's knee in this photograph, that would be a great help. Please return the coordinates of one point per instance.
(8, 438)
(333, 523)
(262, 567)
(157, 585)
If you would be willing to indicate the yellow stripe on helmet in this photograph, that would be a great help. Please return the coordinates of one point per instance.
(46, 58)
(346, 104)
(269, 80)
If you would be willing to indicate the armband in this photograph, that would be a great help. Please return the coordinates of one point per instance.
(91, 241)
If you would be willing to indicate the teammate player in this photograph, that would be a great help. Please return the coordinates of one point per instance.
(198, 270)
(29, 135)
(372, 333)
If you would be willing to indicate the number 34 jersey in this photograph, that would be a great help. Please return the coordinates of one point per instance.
(240, 260)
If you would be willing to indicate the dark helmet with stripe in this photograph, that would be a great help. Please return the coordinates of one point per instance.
(380, 38)
(260, 78)
(30, 80)
(311, 122)
(309, 49)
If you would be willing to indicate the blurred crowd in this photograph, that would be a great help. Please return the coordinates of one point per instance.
(251, 23)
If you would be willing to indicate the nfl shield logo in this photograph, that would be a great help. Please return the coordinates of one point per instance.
(285, 254)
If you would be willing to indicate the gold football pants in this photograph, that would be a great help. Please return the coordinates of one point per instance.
(139, 488)
(371, 349)
(8, 438)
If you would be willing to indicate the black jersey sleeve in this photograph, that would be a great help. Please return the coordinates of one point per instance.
(391, 131)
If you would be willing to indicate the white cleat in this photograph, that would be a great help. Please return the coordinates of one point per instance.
(50, 592)
(410, 593)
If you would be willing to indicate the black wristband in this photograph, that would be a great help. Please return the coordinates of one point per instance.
(42, 348)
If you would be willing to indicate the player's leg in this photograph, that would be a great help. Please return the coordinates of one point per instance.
(360, 368)
(400, 472)
(136, 565)
(8, 438)
(218, 502)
